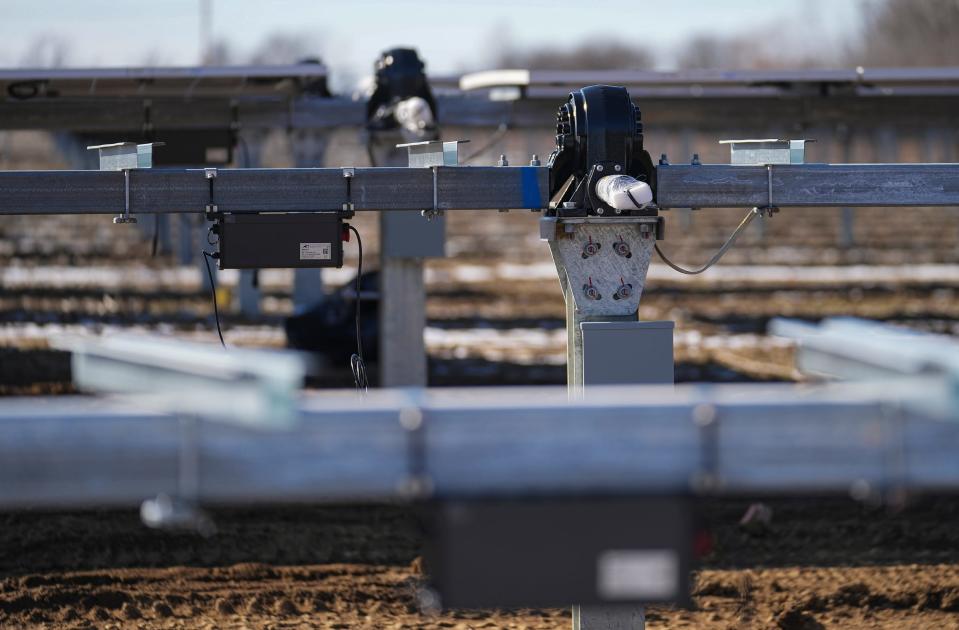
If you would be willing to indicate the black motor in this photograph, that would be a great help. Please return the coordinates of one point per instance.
(599, 132)
(399, 74)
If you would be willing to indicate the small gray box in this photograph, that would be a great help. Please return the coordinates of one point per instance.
(633, 353)
(411, 235)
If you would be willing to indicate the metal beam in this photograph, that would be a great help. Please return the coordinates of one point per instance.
(265, 190)
(723, 186)
(886, 81)
(508, 442)
(126, 117)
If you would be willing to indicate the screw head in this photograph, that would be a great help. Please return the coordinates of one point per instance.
(600, 211)
(617, 168)
(599, 167)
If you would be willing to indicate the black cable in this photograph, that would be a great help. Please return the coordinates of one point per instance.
(207, 256)
(156, 235)
(491, 142)
(357, 365)
(752, 214)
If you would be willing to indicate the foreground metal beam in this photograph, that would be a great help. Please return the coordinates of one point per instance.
(724, 186)
(264, 190)
(513, 442)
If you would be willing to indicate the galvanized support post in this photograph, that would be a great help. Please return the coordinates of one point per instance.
(405, 239)
(602, 265)
(309, 149)
(847, 215)
(248, 290)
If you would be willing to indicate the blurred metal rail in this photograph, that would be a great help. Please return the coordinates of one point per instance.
(493, 443)
(897, 430)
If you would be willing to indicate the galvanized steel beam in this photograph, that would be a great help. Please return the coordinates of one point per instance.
(273, 190)
(725, 186)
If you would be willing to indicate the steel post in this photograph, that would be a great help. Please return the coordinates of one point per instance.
(402, 292)
(309, 148)
(602, 269)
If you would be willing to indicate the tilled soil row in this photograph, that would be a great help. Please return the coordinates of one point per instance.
(825, 563)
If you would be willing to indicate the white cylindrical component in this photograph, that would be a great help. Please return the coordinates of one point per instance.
(623, 192)
(414, 116)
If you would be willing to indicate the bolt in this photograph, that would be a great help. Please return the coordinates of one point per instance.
(599, 168)
(590, 292)
(696, 161)
(600, 211)
(704, 415)
(617, 168)
(535, 161)
(622, 249)
(624, 291)
(502, 161)
(591, 248)
(663, 160)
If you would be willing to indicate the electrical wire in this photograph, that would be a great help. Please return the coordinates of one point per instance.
(719, 254)
(491, 142)
(357, 365)
(207, 256)
(156, 235)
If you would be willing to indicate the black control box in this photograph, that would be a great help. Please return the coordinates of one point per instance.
(551, 553)
(265, 241)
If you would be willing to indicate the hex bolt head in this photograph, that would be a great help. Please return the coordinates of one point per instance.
(591, 292)
(591, 249)
(622, 249)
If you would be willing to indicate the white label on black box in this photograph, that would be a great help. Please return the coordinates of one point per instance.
(315, 251)
(650, 574)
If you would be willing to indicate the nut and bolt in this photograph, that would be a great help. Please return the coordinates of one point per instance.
(534, 161)
(591, 249)
(502, 161)
(623, 292)
(591, 293)
(622, 249)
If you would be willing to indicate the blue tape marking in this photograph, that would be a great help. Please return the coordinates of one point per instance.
(531, 195)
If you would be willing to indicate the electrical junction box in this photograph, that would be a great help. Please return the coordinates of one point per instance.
(275, 240)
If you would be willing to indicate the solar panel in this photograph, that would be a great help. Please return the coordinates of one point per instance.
(167, 82)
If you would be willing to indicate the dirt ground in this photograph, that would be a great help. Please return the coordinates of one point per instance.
(830, 563)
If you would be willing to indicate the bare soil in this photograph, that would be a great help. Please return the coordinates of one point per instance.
(829, 563)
